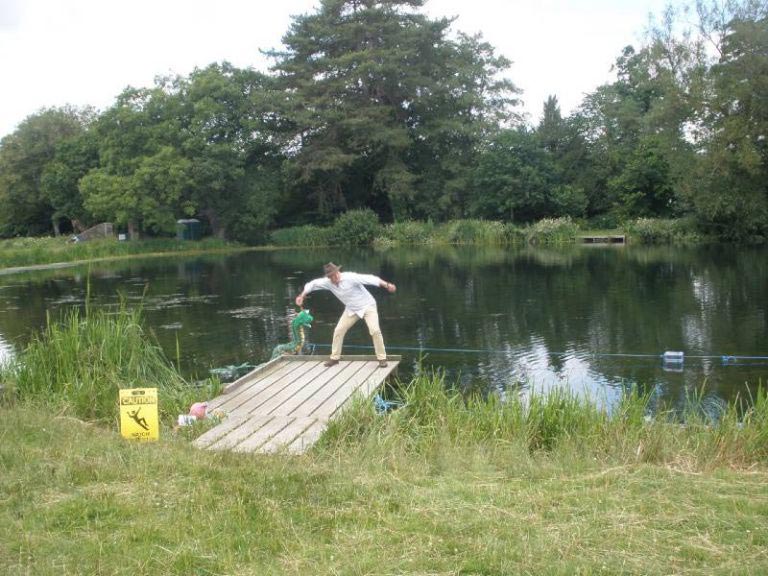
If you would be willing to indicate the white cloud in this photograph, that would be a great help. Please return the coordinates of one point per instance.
(84, 52)
(10, 14)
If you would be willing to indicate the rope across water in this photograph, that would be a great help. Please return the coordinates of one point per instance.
(725, 358)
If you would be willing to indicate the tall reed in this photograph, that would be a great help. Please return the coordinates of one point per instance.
(79, 363)
(434, 415)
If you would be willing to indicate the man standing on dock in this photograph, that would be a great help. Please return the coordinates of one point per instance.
(349, 287)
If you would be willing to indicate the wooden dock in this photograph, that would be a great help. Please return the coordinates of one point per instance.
(285, 404)
(606, 239)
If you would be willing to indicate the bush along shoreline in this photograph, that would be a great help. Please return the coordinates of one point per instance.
(362, 227)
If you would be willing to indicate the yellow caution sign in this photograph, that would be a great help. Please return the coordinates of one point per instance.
(138, 414)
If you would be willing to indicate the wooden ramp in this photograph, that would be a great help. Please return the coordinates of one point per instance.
(285, 404)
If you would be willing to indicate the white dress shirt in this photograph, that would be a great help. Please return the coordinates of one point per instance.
(350, 290)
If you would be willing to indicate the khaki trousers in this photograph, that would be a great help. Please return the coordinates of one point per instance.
(346, 322)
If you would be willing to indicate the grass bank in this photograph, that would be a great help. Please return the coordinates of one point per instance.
(25, 252)
(546, 484)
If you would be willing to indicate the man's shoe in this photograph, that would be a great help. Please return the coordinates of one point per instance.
(382, 363)
(330, 362)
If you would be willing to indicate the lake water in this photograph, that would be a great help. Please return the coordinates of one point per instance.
(596, 319)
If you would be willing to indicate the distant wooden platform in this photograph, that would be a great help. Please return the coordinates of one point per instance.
(285, 404)
(607, 239)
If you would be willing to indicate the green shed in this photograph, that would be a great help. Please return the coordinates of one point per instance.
(188, 229)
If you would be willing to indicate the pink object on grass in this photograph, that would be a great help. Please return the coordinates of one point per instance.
(198, 410)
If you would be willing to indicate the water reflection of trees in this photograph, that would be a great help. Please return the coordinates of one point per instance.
(641, 301)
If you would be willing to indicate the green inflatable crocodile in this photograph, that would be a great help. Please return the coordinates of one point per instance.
(303, 319)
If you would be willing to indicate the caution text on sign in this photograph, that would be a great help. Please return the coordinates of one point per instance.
(138, 414)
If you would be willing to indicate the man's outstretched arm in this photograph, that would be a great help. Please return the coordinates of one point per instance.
(311, 286)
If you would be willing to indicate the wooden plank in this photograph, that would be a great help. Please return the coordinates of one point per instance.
(288, 435)
(267, 386)
(327, 405)
(287, 406)
(318, 376)
(604, 239)
(247, 382)
(236, 436)
(346, 358)
(258, 371)
(332, 377)
(344, 394)
(278, 427)
(254, 442)
(253, 404)
(219, 431)
(307, 438)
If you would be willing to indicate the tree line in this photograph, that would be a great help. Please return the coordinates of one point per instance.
(371, 104)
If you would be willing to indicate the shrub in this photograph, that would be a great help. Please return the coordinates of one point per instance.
(552, 231)
(308, 235)
(407, 232)
(513, 234)
(355, 228)
(472, 232)
(661, 231)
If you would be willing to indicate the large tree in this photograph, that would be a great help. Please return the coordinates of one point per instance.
(142, 178)
(636, 128)
(387, 107)
(232, 142)
(515, 179)
(732, 188)
(200, 146)
(73, 159)
(24, 156)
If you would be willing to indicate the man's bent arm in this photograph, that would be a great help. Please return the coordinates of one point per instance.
(373, 280)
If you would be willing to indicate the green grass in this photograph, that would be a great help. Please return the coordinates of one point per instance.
(21, 252)
(77, 499)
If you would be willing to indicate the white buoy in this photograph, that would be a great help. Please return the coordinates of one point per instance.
(672, 357)
(672, 361)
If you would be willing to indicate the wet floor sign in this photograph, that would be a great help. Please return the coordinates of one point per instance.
(138, 414)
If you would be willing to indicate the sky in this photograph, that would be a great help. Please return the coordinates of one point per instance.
(85, 52)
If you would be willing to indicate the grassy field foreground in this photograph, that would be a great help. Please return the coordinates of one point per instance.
(77, 499)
